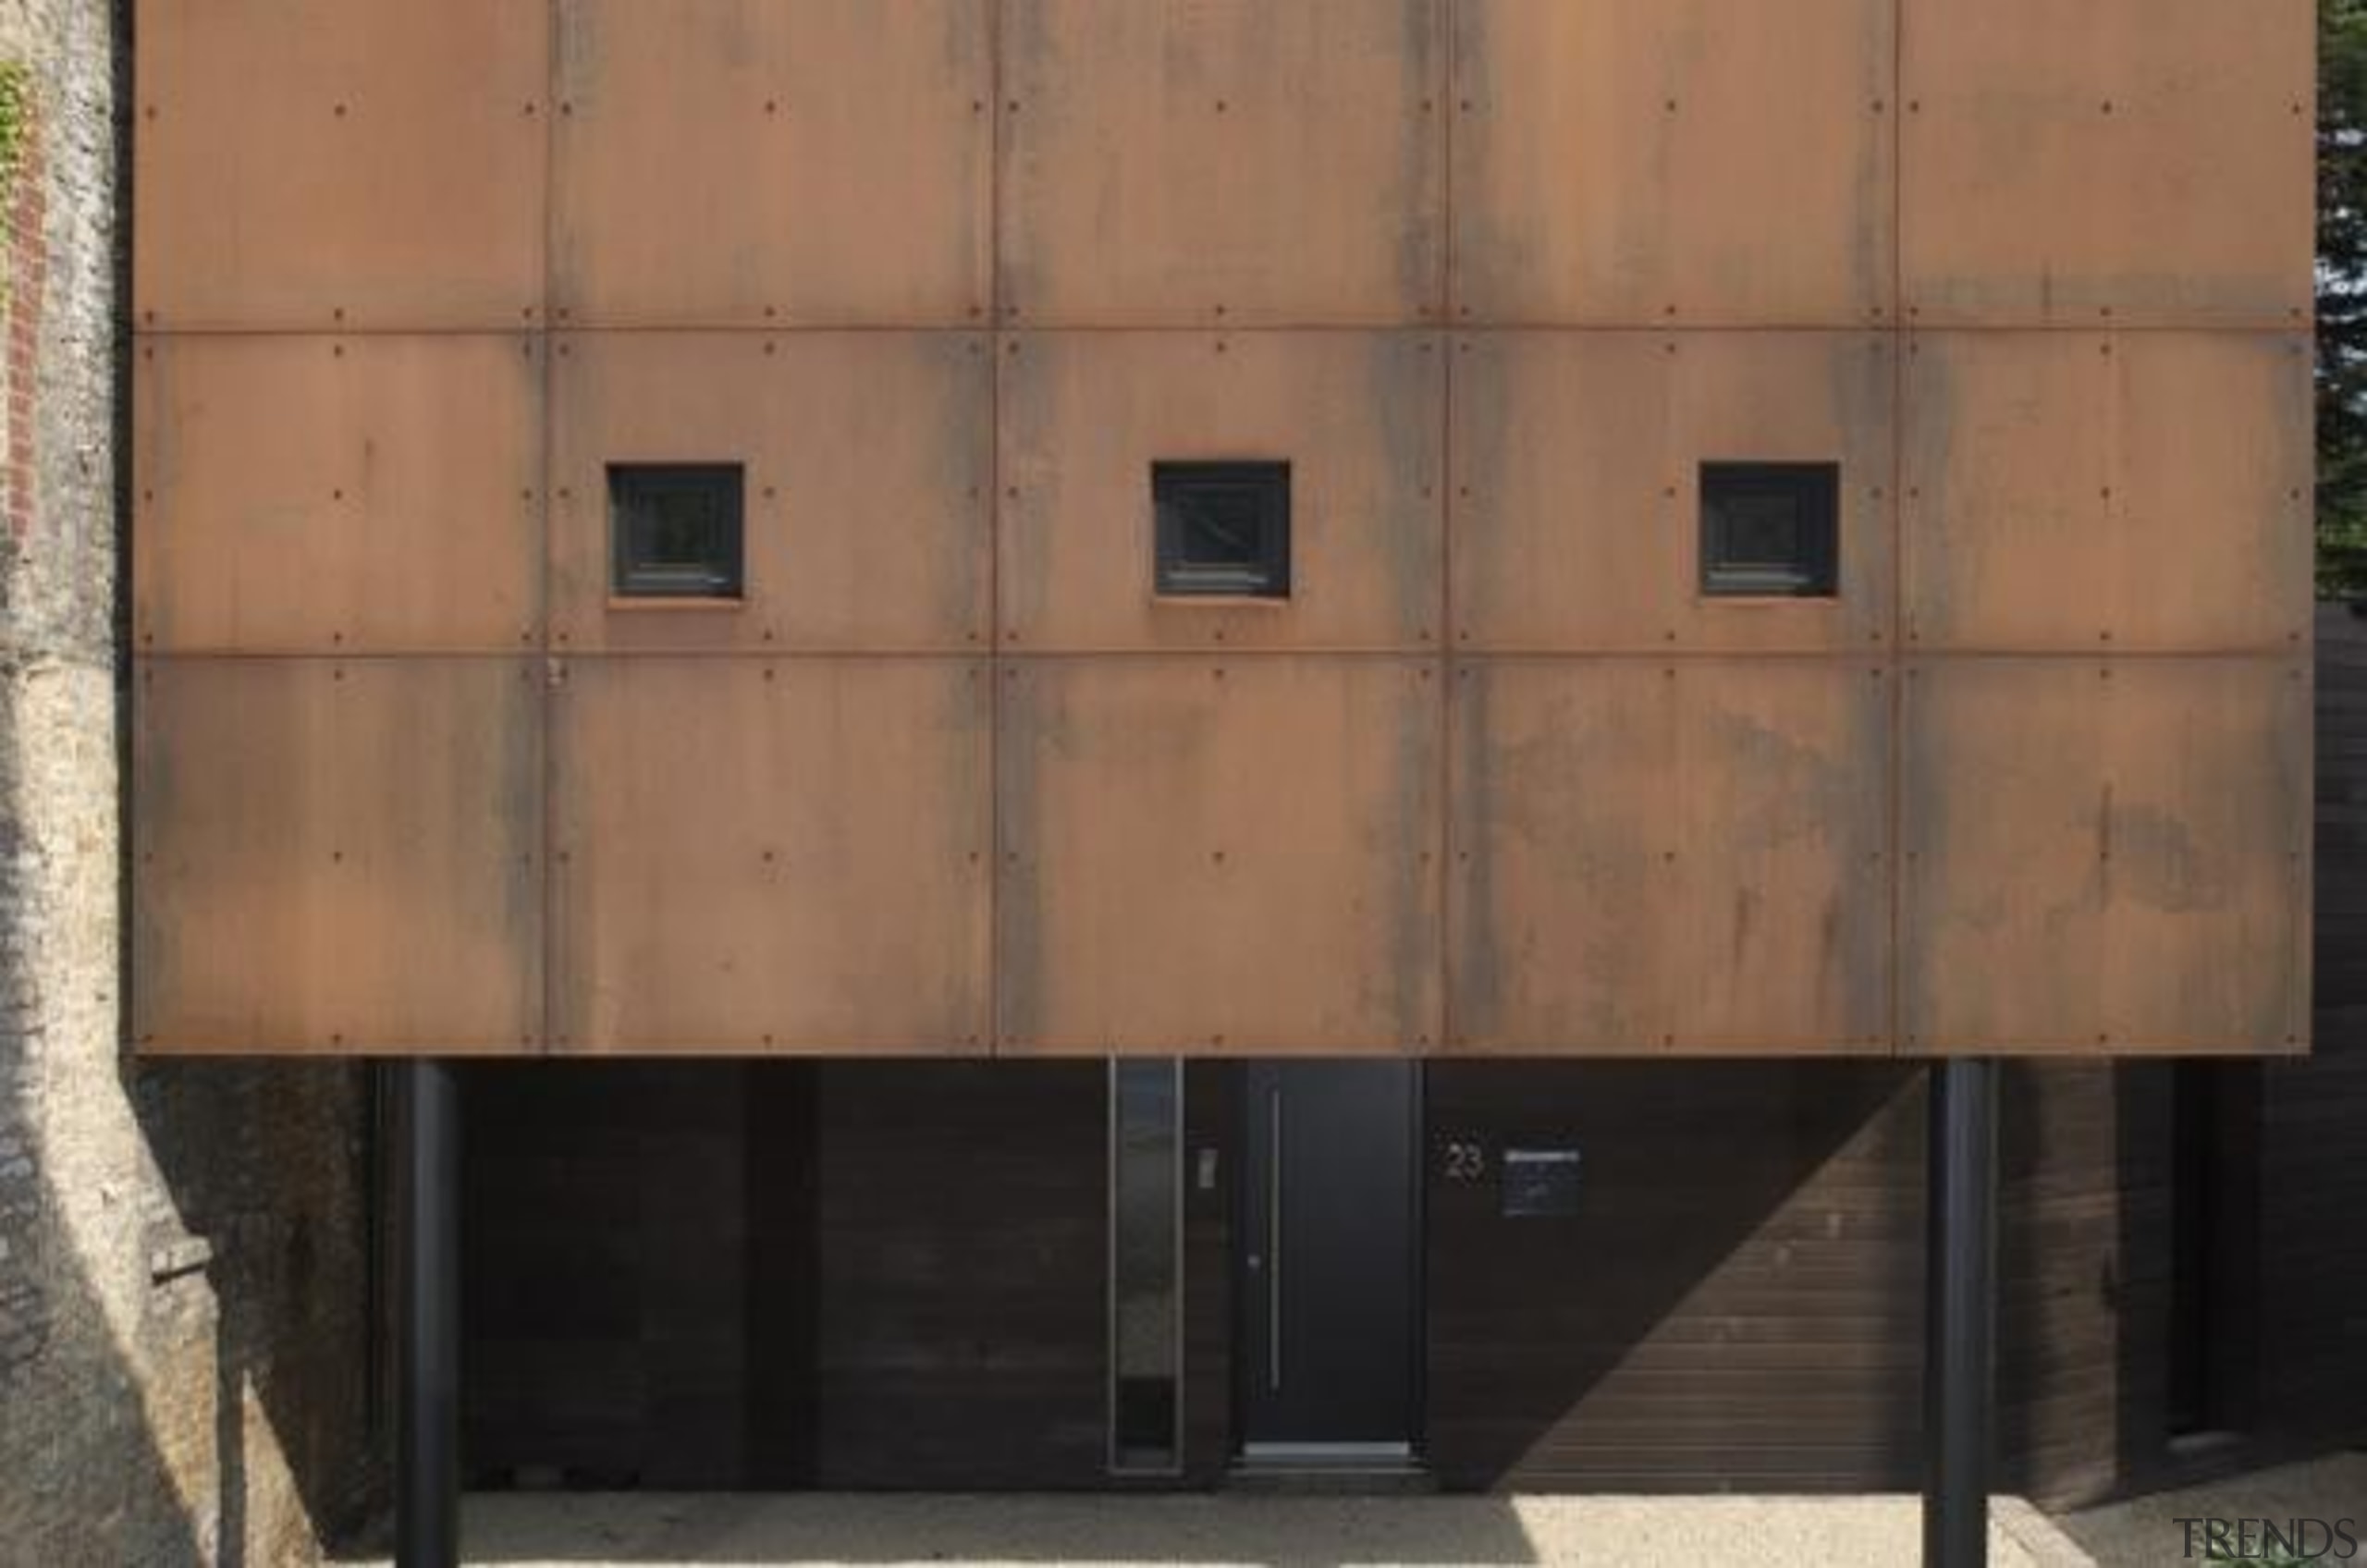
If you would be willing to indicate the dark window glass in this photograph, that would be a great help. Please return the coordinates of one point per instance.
(1224, 528)
(1145, 1264)
(675, 529)
(1770, 528)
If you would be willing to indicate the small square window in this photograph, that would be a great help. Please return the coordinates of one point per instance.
(675, 529)
(1223, 529)
(1771, 530)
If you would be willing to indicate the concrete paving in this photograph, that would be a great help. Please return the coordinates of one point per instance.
(2144, 1533)
(520, 1530)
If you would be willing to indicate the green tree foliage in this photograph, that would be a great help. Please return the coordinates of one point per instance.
(16, 110)
(2342, 297)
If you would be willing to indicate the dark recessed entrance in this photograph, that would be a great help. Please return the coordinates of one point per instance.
(1329, 1318)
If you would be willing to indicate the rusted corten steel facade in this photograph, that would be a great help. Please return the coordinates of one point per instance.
(1494, 277)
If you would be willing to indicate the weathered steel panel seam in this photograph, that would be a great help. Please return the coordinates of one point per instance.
(993, 709)
(550, 691)
(1448, 19)
(1895, 512)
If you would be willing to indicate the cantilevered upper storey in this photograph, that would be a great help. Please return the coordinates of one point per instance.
(1575, 527)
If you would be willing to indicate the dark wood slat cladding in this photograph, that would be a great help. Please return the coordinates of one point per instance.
(2083, 1278)
(784, 1270)
(1736, 1304)
(607, 1254)
(719, 1275)
(2313, 1113)
(961, 1293)
(959, 1228)
(884, 1275)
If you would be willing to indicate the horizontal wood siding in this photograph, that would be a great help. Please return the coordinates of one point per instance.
(606, 1230)
(1738, 1305)
(2083, 1275)
(714, 1276)
(1735, 1305)
(892, 1275)
(959, 1233)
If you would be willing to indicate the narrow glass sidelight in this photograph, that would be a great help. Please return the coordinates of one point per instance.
(1146, 1267)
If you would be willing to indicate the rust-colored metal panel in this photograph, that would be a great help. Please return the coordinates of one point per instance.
(1564, 820)
(1783, 936)
(2081, 491)
(1680, 855)
(306, 163)
(2207, 846)
(1624, 162)
(337, 856)
(868, 459)
(2142, 160)
(747, 161)
(2106, 857)
(363, 494)
(1359, 417)
(770, 855)
(1226, 161)
(1220, 857)
(1576, 522)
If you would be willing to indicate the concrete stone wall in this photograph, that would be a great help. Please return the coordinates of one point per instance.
(184, 1262)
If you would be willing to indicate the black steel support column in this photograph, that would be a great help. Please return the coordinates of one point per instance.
(427, 1481)
(1961, 1265)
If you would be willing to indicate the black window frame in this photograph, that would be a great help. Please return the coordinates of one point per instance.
(1266, 574)
(1815, 570)
(722, 573)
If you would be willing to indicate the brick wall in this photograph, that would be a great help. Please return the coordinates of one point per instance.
(183, 1258)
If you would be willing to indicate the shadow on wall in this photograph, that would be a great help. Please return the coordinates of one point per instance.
(183, 1329)
(77, 1461)
(273, 1165)
(1740, 1304)
(178, 1246)
(1735, 1305)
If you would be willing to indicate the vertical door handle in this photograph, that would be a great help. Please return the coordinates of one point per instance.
(1274, 1245)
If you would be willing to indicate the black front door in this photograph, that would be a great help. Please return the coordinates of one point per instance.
(1328, 1259)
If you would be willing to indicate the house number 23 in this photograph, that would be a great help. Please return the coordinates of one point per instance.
(1465, 1162)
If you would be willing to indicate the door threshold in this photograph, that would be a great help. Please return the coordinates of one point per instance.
(1324, 1455)
(1330, 1468)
